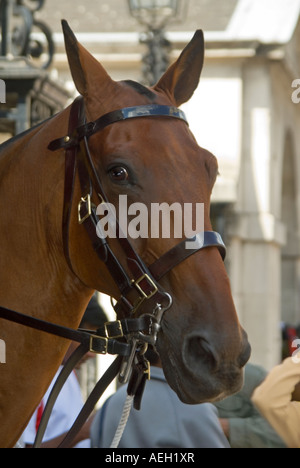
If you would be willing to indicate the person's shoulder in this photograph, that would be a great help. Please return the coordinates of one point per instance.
(156, 373)
(255, 372)
(119, 395)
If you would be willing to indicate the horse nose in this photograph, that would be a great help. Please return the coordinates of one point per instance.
(246, 350)
(199, 355)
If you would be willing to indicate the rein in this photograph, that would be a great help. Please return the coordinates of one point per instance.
(142, 301)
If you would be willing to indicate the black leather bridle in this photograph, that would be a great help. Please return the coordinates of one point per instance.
(142, 300)
(141, 283)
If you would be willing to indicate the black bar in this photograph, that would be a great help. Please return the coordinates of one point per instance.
(4, 26)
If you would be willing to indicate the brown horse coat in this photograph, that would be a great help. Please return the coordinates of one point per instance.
(201, 344)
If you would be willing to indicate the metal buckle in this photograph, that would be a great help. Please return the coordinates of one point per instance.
(147, 370)
(156, 317)
(87, 201)
(111, 325)
(103, 340)
(137, 284)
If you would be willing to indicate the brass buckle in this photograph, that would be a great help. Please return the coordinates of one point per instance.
(119, 329)
(147, 371)
(103, 340)
(87, 201)
(137, 284)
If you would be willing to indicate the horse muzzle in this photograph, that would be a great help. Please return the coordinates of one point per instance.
(205, 373)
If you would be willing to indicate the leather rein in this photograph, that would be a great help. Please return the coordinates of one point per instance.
(142, 301)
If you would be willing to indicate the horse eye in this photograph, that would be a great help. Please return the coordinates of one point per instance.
(119, 174)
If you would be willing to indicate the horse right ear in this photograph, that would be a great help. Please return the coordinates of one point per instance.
(182, 78)
(88, 74)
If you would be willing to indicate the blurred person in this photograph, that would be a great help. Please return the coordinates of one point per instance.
(163, 420)
(278, 400)
(242, 423)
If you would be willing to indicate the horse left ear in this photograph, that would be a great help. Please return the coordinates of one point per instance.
(182, 78)
(89, 77)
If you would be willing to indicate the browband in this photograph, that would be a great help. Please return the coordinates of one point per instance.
(88, 129)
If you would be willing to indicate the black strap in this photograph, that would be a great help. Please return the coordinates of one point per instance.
(89, 405)
(185, 249)
(126, 113)
(76, 356)
(94, 343)
(76, 115)
(91, 402)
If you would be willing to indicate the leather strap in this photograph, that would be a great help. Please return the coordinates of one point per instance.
(76, 115)
(88, 407)
(87, 130)
(73, 360)
(91, 402)
(92, 342)
(184, 250)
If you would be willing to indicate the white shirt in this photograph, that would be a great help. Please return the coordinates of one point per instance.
(64, 413)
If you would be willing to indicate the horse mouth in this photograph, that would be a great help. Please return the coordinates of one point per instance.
(203, 380)
(191, 389)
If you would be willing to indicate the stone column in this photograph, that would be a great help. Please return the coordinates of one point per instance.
(257, 235)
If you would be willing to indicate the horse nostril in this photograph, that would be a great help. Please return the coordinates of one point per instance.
(199, 354)
(245, 354)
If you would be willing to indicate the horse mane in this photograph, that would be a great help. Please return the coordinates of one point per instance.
(19, 136)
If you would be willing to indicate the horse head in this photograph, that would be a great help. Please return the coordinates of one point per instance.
(157, 160)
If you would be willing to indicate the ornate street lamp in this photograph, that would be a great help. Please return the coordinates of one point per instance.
(155, 14)
(21, 35)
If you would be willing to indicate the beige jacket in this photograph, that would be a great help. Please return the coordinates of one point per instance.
(273, 400)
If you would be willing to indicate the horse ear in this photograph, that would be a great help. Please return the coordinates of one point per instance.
(87, 73)
(182, 78)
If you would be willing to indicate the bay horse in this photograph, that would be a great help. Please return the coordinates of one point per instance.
(50, 275)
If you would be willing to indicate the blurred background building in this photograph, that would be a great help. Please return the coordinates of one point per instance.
(244, 111)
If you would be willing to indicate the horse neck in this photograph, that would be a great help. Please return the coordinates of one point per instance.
(35, 277)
